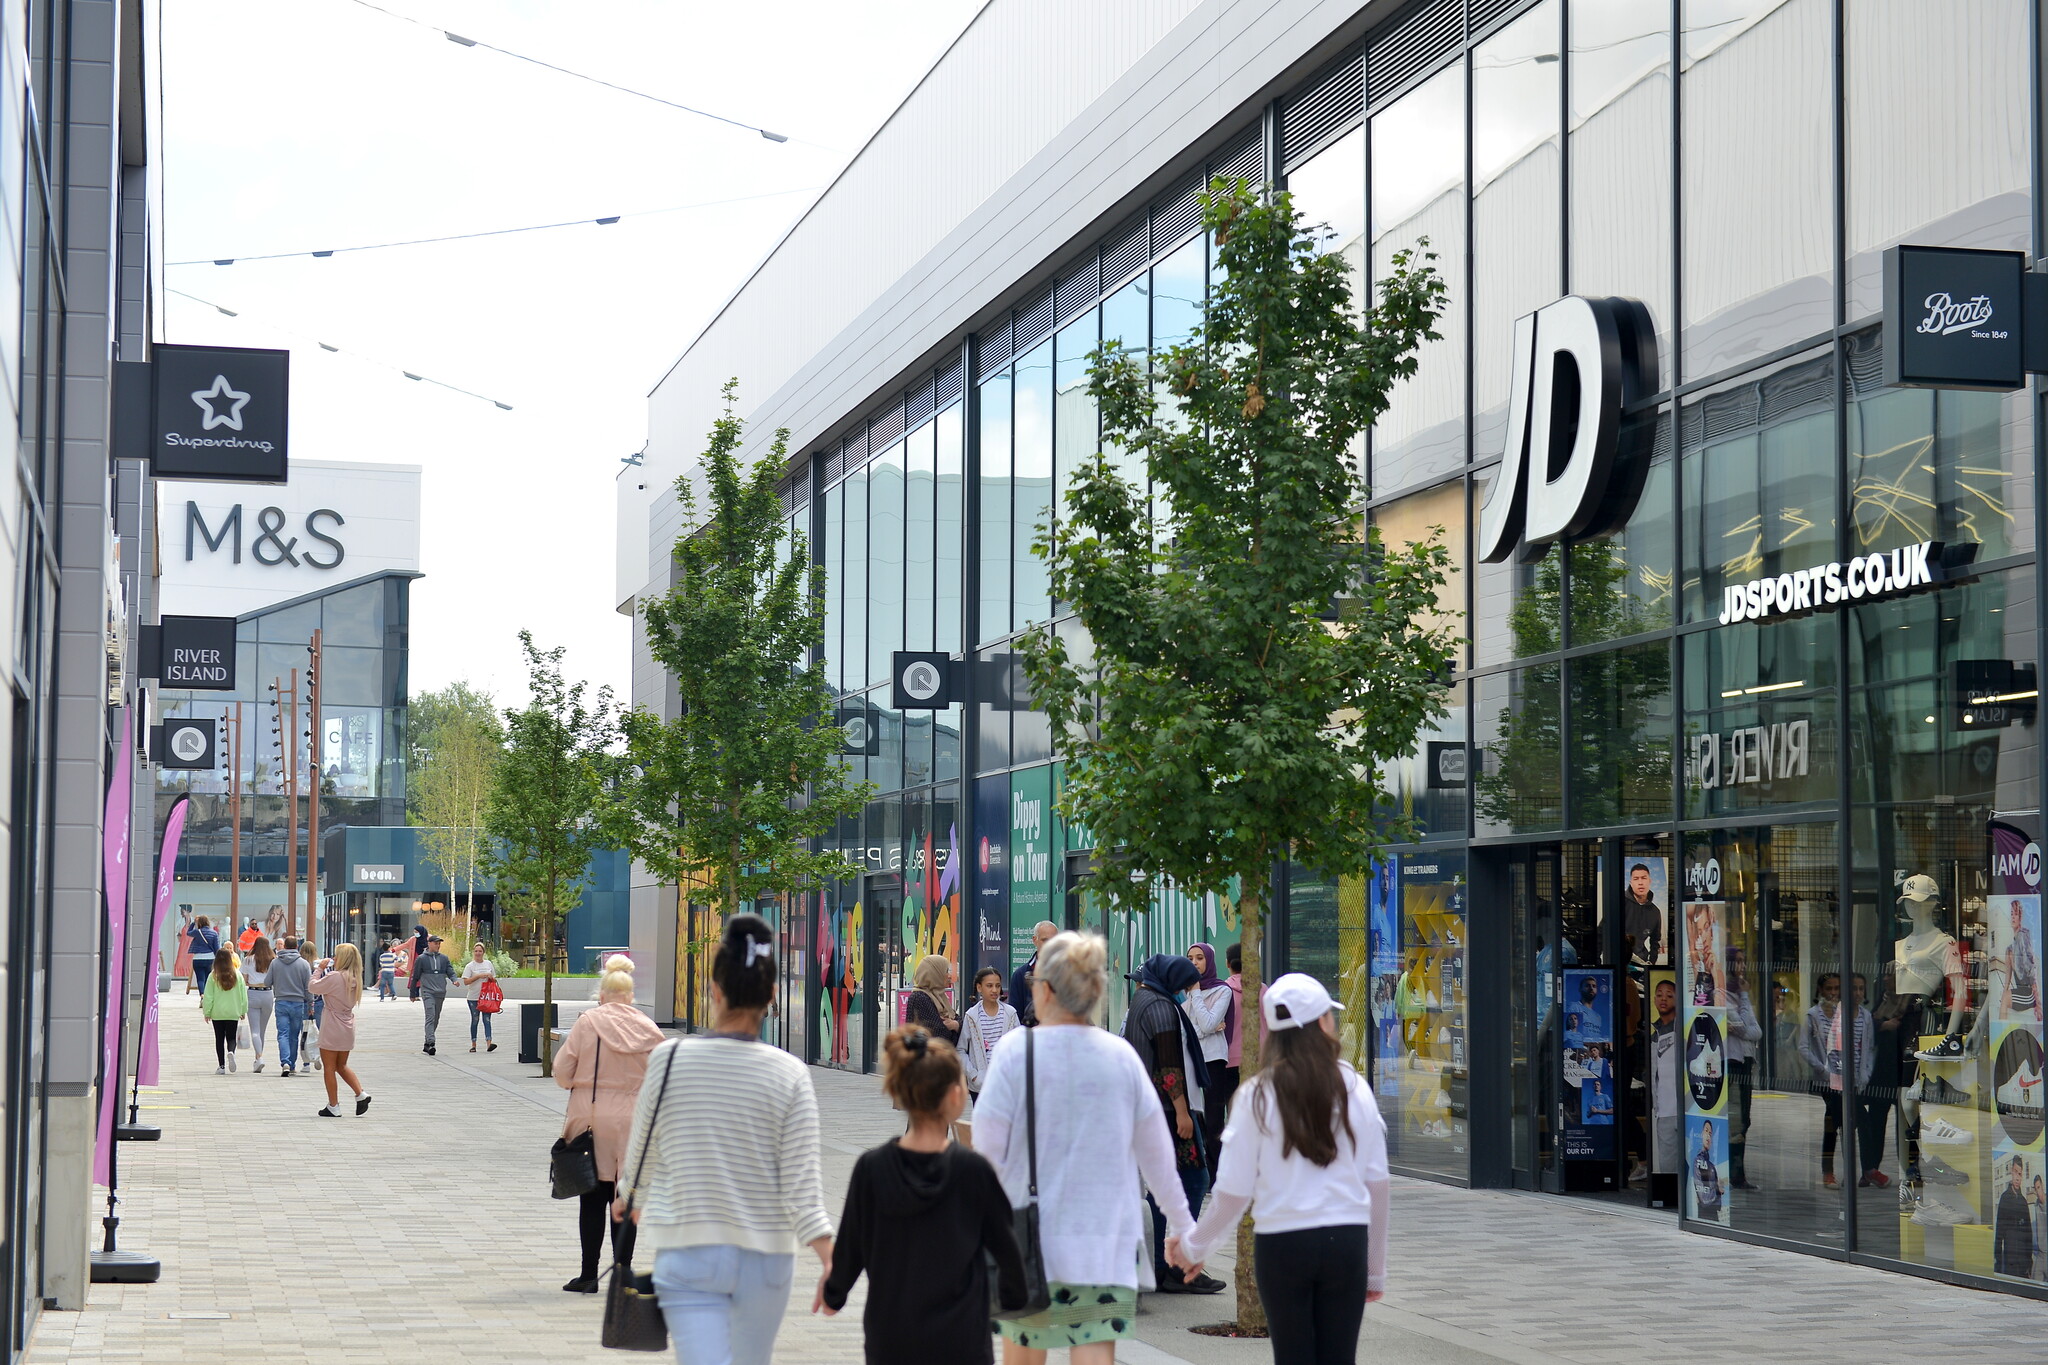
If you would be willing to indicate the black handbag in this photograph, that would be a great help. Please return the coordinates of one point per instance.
(1030, 1246)
(632, 1315)
(572, 1162)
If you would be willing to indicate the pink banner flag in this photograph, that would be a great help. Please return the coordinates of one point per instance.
(146, 1061)
(114, 838)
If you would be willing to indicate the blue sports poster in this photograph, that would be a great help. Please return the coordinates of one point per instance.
(1588, 1064)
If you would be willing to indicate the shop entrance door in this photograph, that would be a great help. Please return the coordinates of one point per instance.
(1587, 919)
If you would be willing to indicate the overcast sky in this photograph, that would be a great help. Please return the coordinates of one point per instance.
(302, 125)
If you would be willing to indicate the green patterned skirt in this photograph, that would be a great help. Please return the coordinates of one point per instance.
(1080, 1315)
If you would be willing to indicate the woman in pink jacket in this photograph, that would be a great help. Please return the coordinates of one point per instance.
(601, 1065)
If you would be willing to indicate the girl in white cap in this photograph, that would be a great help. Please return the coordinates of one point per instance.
(1306, 1151)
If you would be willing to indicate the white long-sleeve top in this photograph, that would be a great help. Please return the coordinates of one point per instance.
(1744, 1032)
(734, 1156)
(1208, 1009)
(1099, 1127)
(1287, 1192)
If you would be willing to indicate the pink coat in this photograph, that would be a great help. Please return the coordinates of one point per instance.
(612, 1041)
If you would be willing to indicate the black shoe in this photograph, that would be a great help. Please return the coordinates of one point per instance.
(362, 1104)
(1949, 1049)
(1940, 1172)
(490, 1047)
(1937, 1090)
(1204, 1284)
(426, 1049)
(327, 1111)
(286, 1073)
(1171, 1283)
(431, 1052)
(581, 1285)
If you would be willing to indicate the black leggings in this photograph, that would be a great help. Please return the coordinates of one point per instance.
(1216, 1092)
(224, 1039)
(1313, 1285)
(591, 1218)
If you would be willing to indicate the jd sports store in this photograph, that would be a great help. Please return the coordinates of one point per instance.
(1728, 899)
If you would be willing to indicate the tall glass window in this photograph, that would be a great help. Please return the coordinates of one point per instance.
(1759, 170)
(1624, 583)
(1032, 465)
(854, 639)
(947, 527)
(1621, 156)
(1516, 181)
(1076, 431)
(1418, 191)
(1126, 318)
(1329, 193)
(885, 559)
(1517, 744)
(995, 507)
(1949, 170)
(920, 535)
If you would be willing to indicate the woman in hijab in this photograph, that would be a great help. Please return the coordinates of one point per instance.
(1165, 1041)
(1212, 1006)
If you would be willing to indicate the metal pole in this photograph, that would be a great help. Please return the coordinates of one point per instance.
(235, 817)
(313, 798)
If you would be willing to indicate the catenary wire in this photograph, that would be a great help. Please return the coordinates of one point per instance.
(358, 355)
(606, 221)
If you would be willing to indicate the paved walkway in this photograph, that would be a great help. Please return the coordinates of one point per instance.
(423, 1232)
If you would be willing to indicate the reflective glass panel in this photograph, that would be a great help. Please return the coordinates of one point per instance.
(1033, 465)
(947, 529)
(885, 559)
(995, 507)
(920, 535)
(1516, 720)
(1622, 736)
(1624, 584)
(1760, 718)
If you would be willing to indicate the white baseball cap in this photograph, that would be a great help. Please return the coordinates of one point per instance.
(1295, 1001)
(1920, 887)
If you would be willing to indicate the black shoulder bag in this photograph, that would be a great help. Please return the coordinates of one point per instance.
(1037, 1289)
(572, 1162)
(632, 1315)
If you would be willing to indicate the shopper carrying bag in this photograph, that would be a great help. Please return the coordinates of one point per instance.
(633, 1320)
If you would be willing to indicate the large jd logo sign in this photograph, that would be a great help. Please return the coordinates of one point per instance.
(1575, 458)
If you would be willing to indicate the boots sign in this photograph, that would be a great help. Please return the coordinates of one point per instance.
(1576, 457)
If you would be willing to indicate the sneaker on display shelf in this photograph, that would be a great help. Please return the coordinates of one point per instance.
(1706, 1061)
(1937, 1090)
(1941, 1173)
(1939, 1214)
(1942, 1133)
(1949, 1049)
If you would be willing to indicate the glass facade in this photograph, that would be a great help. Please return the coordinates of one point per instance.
(1666, 933)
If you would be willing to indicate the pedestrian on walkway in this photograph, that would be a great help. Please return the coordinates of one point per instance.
(1212, 1006)
(247, 938)
(204, 941)
(419, 950)
(602, 1064)
(1020, 980)
(387, 972)
(1099, 1126)
(1306, 1151)
(1164, 1039)
(931, 1004)
(730, 1183)
(923, 1218)
(316, 1009)
(431, 976)
(480, 969)
(262, 1000)
(224, 999)
(290, 981)
(983, 1026)
(339, 985)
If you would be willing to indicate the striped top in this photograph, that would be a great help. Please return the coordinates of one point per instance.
(734, 1156)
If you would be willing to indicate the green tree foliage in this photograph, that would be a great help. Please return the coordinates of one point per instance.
(544, 806)
(425, 714)
(728, 794)
(454, 787)
(1254, 664)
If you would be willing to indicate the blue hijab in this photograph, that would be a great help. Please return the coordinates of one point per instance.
(1172, 976)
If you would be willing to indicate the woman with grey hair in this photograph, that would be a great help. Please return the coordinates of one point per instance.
(931, 1005)
(1090, 1111)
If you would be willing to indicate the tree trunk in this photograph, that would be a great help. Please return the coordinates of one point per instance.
(1251, 910)
(547, 981)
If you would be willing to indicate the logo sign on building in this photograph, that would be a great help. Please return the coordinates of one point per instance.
(862, 725)
(1447, 763)
(1575, 458)
(1864, 578)
(1953, 318)
(923, 681)
(220, 412)
(1751, 755)
(378, 874)
(186, 743)
(192, 653)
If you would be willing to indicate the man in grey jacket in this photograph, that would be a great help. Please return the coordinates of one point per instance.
(290, 977)
(433, 973)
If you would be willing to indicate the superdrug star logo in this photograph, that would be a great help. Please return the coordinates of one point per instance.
(211, 401)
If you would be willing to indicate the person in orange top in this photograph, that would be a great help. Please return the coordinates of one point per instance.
(249, 937)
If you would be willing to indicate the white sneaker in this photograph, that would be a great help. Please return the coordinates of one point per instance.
(1707, 1062)
(220, 1071)
(2022, 1091)
(1942, 1133)
(231, 1061)
(1941, 1214)
(259, 1066)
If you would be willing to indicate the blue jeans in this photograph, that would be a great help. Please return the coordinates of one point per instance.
(291, 1017)
(385, 989)
(723, 1304)
(475, 1013)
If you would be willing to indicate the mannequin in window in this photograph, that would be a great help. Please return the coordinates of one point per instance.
(1926, 963)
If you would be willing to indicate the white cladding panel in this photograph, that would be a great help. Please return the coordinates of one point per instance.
(1042, 117)
(230, 548)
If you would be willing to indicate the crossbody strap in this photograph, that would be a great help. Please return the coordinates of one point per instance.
(640, 1166)
(1031, 1109)
(596, 1061)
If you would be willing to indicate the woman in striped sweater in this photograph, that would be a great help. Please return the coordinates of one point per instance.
(721, 1171)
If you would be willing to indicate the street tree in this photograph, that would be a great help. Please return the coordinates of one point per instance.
(425, 714)
(1255, 656)
(726, 796)
(454, 790)
(542, 815)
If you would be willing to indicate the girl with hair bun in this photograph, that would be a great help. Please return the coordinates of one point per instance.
(722, 1171)
(920, 1211)
(602, 1064)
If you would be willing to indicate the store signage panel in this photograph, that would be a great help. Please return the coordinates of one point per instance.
(220, 412)
(922, 681)
(186, 743)
(380, 874)
(1861, 578)
(1575, 461)
(1954, 318)
(197, 653)
(1447, 764)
